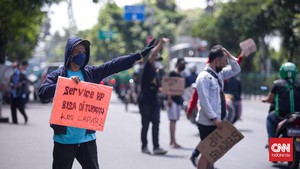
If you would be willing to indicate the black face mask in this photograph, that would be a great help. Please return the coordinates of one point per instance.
(79, 59)
(181, 67)
(218, 69)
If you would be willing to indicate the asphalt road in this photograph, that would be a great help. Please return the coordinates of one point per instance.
(30, 146)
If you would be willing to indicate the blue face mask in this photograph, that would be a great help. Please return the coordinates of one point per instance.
(79, 59)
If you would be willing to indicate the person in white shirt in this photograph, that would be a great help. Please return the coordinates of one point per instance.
(209, 84)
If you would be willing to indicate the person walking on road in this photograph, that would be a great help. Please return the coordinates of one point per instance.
(71, 142)
(148, 101)
(209, 85)
(19, 91)
(193, 107)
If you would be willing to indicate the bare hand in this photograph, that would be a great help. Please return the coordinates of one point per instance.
(218, 123)
(75, 78)
(165, 40)
(242, 54)
(227, 53)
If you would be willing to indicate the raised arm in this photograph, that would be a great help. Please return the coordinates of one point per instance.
(156, 49)
(240, 58)
(229, 55)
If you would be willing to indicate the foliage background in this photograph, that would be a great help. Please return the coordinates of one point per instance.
(23, 23)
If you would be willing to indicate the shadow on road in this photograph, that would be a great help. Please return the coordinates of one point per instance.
(280, 166)
(245, 130)
(170, 156)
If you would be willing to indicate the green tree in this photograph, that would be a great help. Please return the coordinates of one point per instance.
(169, 5)
(54, 48)
(285, 15)
(20, 26)
(237, 20)
(130, 37)
(190, 17)
(110, 19)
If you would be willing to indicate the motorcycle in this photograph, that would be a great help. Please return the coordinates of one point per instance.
(231, 114)
(127, 94)
(132, 94)
(290, 128)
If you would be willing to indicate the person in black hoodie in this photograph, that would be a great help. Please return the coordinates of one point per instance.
(71, 142)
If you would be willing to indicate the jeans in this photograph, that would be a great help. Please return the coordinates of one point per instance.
(150, 113)
(85, 153)
(272, 122)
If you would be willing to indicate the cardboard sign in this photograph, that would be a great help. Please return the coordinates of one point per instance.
(173, 85)
(248, 46)
(82, 105)
(215, 145)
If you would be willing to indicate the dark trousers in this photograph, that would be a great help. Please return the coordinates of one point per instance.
(204, 131)
(85, 153)
(17, 103)
(150, 113)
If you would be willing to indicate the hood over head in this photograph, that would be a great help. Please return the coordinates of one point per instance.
(72, 42)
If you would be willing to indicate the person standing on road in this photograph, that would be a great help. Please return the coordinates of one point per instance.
(148, 100)
(174, 103)
(191, 78)
(71, 142)
(209, 85)
(233, 86)
(19, 91)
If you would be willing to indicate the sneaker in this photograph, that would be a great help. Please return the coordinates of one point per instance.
(146, 150)
(194, 160)
(159, 151)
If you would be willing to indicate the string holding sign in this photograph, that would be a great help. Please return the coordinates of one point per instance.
(82, 105)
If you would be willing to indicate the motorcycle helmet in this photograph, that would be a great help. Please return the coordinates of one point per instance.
(288, 70)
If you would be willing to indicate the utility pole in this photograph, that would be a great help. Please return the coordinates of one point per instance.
(72, 23)
(210, 7)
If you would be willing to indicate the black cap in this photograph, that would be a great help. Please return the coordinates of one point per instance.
(180, 61)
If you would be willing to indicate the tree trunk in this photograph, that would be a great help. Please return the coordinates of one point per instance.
(2, 48)
(2, 52)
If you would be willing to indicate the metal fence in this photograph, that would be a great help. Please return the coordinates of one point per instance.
(257, 85)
